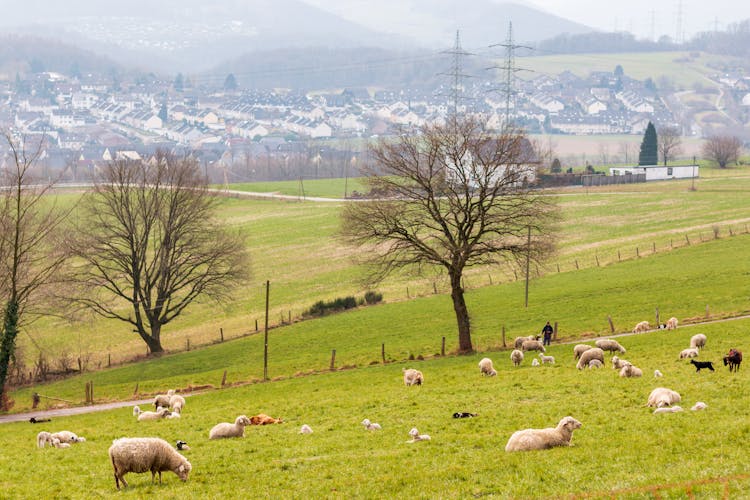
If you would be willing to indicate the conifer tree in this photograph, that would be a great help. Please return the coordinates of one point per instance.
(649, 154)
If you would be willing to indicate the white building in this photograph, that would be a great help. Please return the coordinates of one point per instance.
(659, 172)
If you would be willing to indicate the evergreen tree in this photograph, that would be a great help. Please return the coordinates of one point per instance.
(178, 82)
(649, 154)
(230, 83)
(163, 114)
(556, 166)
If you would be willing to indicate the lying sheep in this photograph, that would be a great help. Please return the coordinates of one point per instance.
(673, 409)
(305, 429)
(631, 371)
(641, 327)
(657, 374)
(593, 353)
(689, 353)
(595, 363)
(610, 345)
(57, 444)
(143, 455)
(517, 357)
(671, 323)
(520, 340)
(67, 437)
(542, 439)
(700, 405)
(486, 368)
(698, 341)
(227, 430)
(547, 360)
(579, 349)
(618, 363)
(534, 362)
(150, 415)
(413, 377)
(532, 345)
(371, 426)
(661, 396)
(177, 403)
(163, 399)
(416, 436)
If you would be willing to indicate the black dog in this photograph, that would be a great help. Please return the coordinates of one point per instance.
(464, 415)
(39, 420)
(702, 364)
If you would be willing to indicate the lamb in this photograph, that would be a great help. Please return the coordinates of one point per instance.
(700, 405)
(227, 430)
(610, 345)
(57, 444)
(641, 327)
(698, 341)
(416, 436)
(163, 399)
(618, 363)
(631, 371)
(413, 377)
(371, 426)
(673, 409)
(672, 323)
(593, 353)
(43, 438)
(150, 415)
(146, 454)
(177, 402)
(520, 340)
(579, 349)
(548, 360)
(542, 439)
(595, 363)
(517, 357)
(534, 362)
(661, 396)
(688, 353)
(702, 364)
(67, 437)
(263, 419)
(657, 374)
(486, 368)
(305, 429)
(532, 345)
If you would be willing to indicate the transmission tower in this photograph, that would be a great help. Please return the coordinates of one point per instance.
(679, 33)
(456, 74)
(509, 69)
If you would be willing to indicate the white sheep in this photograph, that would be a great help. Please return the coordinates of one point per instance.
(305, 429)
(534, 362)
(371, 426)
(413, 377)
(672, 409)
(689, 353)
(486, 368)
(517, 357)
(163, 399)
(610, 345)
(700, 405)
(227, 430)
(67, 437)
(151, 415)
(631, 371)
(520, 340)
(618, 363)
(698, 341)
(542, 439)
(177, 402)
(593, 353)
(661, 396)
(57, 444)
(672, 323)
(547, 360)
(595, 363)
(641, 327)
(43, 438)
(143, 455)
(658, 374)
(532, 345)
(580, 349)
(416, 436)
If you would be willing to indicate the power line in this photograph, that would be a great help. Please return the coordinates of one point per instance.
(456, 74)
(510, 70)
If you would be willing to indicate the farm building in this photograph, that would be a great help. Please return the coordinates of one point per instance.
(659, 172)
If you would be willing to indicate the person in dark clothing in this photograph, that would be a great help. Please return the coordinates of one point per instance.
(547, 332)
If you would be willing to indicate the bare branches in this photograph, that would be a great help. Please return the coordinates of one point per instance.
(670, 143)
(723, 149)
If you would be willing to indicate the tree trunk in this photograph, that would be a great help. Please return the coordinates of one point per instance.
(462, 314)
(153, 340)
(9, 334)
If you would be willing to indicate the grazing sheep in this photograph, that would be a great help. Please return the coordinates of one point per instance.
(151, 415)
(673, 409)
(177, 402)
(698, 341)
(542, 439)
(146, 454)
(413, 377)
(163, 399)
(517, 357)
(486, 368)
(579, 349)
(661, 396)
(631, 371)
(657, 374)
(700, 405)
(227, 430)
(688, 353)
(263, 419)
(672, 323)
(593, 353)
(733, 359)
(610, 345)
(618, 363)
(416, 436)
(702, 364)
(641, 327)
(43, 439)
(305, 429)
(371, 426)
(520, 340)
(595, 363)
(534, 362)
(532, 345)
(547, 360)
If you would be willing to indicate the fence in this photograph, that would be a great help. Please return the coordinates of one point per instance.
(606, 180)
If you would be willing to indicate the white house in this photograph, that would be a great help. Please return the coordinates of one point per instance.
(659, 172)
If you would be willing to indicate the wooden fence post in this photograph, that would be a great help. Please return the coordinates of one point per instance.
(109, 359)
(256, 324)
(707, 312)
(558, 267)
(555, 331)
(442, 348)
(490, 276)
(290, 317)
(504, 336)
(597, 260)
(224, 379)
(187, 343)
(434, 287)
(611, 325)
(135, 392)
(637, 252)
(333, 359)
(221, 334)
(619, 257)
(657, 317)
(577, 264)
(87, 392)
(382, 352)
(653, 247)
(515, 274)
(687, 239)
(407, 293)
(91, 391)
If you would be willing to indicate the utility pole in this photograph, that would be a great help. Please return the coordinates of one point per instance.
(265, 337)
(528, 260)
(509, 68)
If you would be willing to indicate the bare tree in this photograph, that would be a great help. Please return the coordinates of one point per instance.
(451, 197)
(722, 149)
(30, 255)
(670, 143)
(150, 246)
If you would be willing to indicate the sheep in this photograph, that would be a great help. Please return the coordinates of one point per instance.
(610, 345)
(657, 374)
(520, 340)
(688, 353)
(43, 438)
(146, 454)
(263, 419)
(305, 429)
(548, 360)
(227, 430)
(661, 396)
(631, 371)
(593, 353)
(57, 444)
(172, 414)
(641, 327)
(371, 426)
(542, 439)
(672, 323)
(163, 399)
(673, 409)
(702, 364)
(532, 345)
(67, 437)
(595, 363)
(618, 363)
(698, 341)
(579, 349)
(182, 445)
(517, 357)
(416, 436)
(485, 367)
(733, 359)
(413, 377)
(534, 362)
(151, 415)
(700, 405)
(176, 402)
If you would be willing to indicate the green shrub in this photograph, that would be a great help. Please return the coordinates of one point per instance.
(321, 308)
(373, 297)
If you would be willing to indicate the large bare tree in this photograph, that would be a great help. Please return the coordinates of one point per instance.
(722, 149)
(450, 197)
(670, 143)
(150, 245)
(30, 256)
